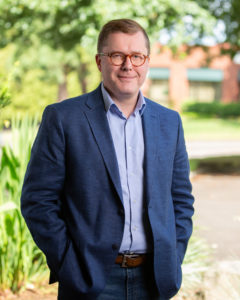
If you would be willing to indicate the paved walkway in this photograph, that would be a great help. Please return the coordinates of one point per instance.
(217, 217)
(217, 213)
(201, 149)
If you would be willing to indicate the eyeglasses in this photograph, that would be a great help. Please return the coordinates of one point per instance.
(118, 58)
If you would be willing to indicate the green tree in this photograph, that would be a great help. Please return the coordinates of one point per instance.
(228, 12)
(66, 27)
(51, 31)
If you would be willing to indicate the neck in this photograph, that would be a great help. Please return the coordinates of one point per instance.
(126, 106)
(125, 103)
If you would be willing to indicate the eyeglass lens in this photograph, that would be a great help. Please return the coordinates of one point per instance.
(136, 58)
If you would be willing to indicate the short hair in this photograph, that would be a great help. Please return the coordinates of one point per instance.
(120, 25)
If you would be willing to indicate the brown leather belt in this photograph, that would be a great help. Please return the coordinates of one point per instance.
(131, 260)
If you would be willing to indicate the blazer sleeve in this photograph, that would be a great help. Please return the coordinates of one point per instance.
(181, 193)
(43, 187)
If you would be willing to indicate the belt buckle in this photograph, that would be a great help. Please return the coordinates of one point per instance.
(125, 257)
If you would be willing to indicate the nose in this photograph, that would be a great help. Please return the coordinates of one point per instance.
(127, 64)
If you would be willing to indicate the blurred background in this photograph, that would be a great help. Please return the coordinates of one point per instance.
(47, 54)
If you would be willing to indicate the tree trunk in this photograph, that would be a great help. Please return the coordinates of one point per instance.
(82, 74)
(62, 87)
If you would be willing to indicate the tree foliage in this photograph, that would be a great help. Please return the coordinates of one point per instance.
(62, 24)
(59, 36)
(227, 11)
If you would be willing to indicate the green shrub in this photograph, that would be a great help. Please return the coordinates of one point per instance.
(224, 165)
(213, 109)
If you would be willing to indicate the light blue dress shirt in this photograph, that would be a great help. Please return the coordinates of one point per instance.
(128, 139)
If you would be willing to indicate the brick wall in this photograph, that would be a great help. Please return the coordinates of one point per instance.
(191, 58)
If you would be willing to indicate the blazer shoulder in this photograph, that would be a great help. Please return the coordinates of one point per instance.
(70, 103)
(75, 103)
(160, 109)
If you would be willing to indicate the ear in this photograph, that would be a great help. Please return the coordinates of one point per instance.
(98, 62)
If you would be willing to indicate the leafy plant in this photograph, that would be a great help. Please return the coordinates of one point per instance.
(20, 259)
(4, 94)
(195, 266)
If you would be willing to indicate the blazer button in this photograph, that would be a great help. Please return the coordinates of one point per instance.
(114, 246)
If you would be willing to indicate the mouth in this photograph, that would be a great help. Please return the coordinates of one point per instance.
(126, 77)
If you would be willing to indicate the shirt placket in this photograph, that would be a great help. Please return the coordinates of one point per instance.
(129, 126)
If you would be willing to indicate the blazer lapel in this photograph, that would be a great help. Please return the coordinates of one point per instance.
(151, 137)
(96, 116)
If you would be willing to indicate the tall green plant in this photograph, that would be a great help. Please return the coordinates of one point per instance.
(20, 259)
(4, 93)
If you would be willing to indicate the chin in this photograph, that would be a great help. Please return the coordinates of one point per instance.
(128, 90)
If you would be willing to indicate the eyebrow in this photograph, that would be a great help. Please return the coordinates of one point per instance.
(118, 51)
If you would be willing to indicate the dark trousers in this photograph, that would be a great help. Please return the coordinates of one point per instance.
(130, 284)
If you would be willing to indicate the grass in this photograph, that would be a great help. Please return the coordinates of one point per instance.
(210, 128)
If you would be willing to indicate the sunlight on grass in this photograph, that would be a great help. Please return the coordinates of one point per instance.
(211, 128)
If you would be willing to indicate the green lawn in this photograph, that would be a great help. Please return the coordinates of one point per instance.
(211, 128)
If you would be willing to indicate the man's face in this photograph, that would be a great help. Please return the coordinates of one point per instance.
(125, 80)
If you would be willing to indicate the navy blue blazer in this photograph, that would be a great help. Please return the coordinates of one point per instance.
(72, 199)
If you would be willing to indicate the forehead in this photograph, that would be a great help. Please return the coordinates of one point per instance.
(119, 41)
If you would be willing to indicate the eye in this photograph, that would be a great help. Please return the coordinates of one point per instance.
(117, 55)
(137, 56)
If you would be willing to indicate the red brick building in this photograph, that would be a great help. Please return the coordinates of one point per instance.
(196, 74)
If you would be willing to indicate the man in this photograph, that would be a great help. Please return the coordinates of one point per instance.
(107, 195)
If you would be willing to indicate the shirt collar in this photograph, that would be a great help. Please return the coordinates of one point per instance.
(108, 102)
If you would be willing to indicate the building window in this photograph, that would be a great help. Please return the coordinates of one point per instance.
(158, 91)
(205, 84)
(204, 91)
